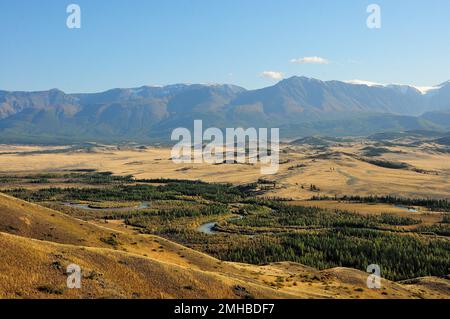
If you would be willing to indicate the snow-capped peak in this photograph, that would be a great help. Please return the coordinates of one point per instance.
(403, 87)
(364, 82)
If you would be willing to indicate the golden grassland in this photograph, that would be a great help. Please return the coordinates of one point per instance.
(338, 170)
(36, 269)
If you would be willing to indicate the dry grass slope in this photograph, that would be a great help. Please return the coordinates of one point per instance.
(36, 269)
(37, 244)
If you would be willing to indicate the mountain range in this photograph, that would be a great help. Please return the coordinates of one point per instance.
(299, 106)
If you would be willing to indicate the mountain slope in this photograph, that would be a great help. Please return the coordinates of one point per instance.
(36, 269)
(306, 99)
(299, 106)
(440, 97)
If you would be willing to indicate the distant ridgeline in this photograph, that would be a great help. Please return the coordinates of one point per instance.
(299, 106)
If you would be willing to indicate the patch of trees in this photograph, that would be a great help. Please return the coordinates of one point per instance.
(432, 204)
(80, 176)
(395, 220)
(386, 164)
(378, 151)
(103, 178)
(441, 230)
(287, 215)
(146, 218)
(399, 256)
(446, 219)
(222, 193)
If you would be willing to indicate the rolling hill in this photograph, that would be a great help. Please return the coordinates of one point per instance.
(38, 243)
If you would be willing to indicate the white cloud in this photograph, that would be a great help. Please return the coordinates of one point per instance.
(274, 75)
(310, 59)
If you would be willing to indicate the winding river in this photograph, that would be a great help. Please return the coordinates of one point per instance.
(87, 207)
(407, 208)
(208, 228)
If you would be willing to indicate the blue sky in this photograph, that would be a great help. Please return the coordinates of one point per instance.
(129, 43)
